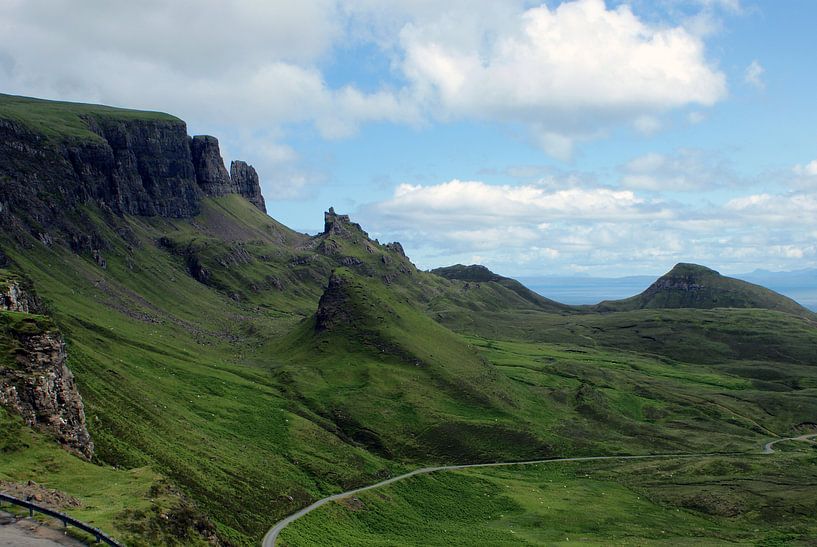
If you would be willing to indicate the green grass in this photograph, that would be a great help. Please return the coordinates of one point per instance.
(64, 120)
(13, 327)
(105, 492)
(694, 286)
(223, 386)
(712, 500)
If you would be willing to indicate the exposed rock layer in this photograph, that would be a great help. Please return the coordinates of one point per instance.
(41, 389)
(13, 297)
(245, 182)
(126, 165)
(211, 175)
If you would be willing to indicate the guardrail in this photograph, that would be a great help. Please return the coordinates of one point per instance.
(66, 520)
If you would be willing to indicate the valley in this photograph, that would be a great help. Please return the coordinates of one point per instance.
(232, 371)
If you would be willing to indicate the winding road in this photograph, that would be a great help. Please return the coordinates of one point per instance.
(271, 536)
(767, 448)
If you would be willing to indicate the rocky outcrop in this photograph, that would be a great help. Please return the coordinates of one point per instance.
(14, 297)
(132, 163)
(245, 182)
(395, 247)
(335, 224)
(138, 167)
(334, 307)
(150, 172)
(40, 388)
(211, 175)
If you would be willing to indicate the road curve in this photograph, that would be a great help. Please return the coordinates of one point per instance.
(767, 448)
(271, 536)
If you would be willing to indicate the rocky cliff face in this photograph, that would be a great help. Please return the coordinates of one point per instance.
(127, 165)
(334, 307)
(245, 182)
(211, 175)
(335, 224)
(14, 297)
(135, 167)
(39, 387)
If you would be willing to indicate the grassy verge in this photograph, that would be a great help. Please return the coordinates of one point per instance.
(712, 500)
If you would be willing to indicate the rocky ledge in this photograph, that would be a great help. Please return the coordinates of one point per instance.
(35, 381)
(41, 389)
(147, 167)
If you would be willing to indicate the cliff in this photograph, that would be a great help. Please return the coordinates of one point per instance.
(245, 183)
(36, 383)
(57, 156)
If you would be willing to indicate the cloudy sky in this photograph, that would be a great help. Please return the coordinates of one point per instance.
(583, 136)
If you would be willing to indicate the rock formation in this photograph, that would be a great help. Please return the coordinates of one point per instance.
(125, 164)
(245, 182)
(41, 389)
(334, 223)
(334, 307)
(14, 297)
(211, 174)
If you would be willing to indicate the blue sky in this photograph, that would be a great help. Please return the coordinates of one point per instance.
(577, 137)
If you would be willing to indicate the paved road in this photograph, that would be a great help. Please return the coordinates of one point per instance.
(767, 448)
(30, 533)
(272, 535)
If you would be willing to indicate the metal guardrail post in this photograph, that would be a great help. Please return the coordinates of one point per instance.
(66, 520)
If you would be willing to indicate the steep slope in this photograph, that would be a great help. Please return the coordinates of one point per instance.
(480, 274)
(258, 368)
(693, 286)
(388, 377)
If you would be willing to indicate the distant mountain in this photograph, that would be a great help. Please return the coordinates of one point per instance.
(801, 285)
(476, 273)
(694, 286)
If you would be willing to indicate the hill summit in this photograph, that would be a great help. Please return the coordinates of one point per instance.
(695, 286)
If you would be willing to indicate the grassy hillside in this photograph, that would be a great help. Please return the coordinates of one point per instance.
(137, 506)
(60, 120)
(480, 274)
(196, 352)
(389, 377)
(222, 383)
(694, 286)
(256, 369)
(711, 500)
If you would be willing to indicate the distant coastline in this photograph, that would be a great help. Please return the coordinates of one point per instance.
(801, 285)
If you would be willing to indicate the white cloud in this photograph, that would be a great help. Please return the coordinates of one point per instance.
(696, 117)
(519, 224)
(458, 202)
(647, 125)
(807, 170)
(571, 71)
(794, 209)
(753, 75)
(529, 229)
(568, 74)
(683, 171)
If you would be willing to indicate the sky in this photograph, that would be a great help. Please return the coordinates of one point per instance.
(581, 137)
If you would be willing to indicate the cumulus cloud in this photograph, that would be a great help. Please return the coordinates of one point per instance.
(531, 229)
(477, 203)
(807, 170)
(568, 73)
(519, 224)
(787, 209)
(228, 68)
(571, 71)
